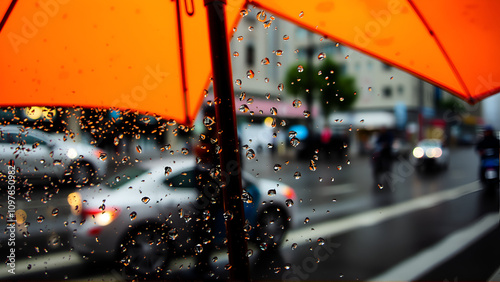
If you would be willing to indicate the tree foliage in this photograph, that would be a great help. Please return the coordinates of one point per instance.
(326, 82)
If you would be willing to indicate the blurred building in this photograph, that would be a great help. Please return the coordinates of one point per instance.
(263, 51)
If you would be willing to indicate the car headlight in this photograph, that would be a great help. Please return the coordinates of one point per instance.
(101, 217)
(75, 202)
(72, 153)
(434, 152)
(418, 152)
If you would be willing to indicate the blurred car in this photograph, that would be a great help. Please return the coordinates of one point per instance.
(40, 155)
(152, 212)
(431, 154)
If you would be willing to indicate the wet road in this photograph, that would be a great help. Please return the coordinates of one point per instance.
(438, 226)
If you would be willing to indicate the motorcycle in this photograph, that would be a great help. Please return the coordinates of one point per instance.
(489, 169)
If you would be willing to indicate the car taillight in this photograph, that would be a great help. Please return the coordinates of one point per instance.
(101, 217)
(289, 193)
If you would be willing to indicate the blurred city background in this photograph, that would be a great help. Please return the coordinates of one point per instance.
(309, 113)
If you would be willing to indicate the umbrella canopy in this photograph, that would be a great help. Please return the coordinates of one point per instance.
(154, 56)
(149, 56)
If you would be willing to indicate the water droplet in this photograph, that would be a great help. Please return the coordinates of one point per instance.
(307, 114)
(250, 154)
(265, 61)
(145, 200)
(347, 57)
(296, 103)
(117, 179)
(263, 246)
(289, 202)
(321, 56)
(244, 13)
(228, 215)
(266, 80)
(103, 156)
(274, 111)
(138, 149)
(40, 218)
(207, 121)
(268, 96)
(235, 54)
(297, 175)
(249, 253)
(243, 95)
(133, 215)
(238, 82)
(184, 151)
(292, 134)
(321, 241)
(198, 248)
(228, 267)
(279, 52)
(244, 108)
(271, 192)
(277, 167)
(301, 14)
(294, 246)
(250, 74)
(249, 100)
(380, 186)
(280, 87)
(261, 16)
(312, 165)
(250, 28)
(286, 37)
(173, 234)
(29, 266)
(306, 220)
(55, 212)
(300, 68)
(246, 197)
(165, 148)
(294, 142)
(369, 89)
(339, 167)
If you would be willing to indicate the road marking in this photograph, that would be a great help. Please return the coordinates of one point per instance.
(42, 263)
(375, 216)
(424, 261)
(340, 189)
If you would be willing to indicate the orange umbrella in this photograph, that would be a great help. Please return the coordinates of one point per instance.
(155, 56)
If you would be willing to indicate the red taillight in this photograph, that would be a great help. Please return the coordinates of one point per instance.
(101, 217)
(289, 193)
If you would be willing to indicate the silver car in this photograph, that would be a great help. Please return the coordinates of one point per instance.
(40, 155)
(153, 212)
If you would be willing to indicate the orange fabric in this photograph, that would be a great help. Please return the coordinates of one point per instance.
(114, 53)
(465, 62)
(126, 54)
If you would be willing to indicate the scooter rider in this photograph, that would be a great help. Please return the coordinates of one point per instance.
(488, 148)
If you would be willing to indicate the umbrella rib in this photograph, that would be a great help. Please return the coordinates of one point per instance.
(183, 66)
(443, 51)
(7, 14)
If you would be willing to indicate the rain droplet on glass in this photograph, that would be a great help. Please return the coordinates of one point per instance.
(289, 202)
(244, 108)
(145, 200)
(297, 103)
(235, 54)
(286, 37)
(133, 215)
(321, 56)
(250, 74)
(294, 142)
(138, 149)
(250, 154)
(265, 61)
(261, 16)
(297, 175)
(238, 81)
(301, 14)
(274, 111)
(300, 68)
(271, 192)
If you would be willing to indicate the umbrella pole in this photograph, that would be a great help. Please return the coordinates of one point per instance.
(228, 140)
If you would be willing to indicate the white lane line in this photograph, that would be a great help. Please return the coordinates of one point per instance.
(337, 189)
(424, 261)
(375, 216)
(41, 263)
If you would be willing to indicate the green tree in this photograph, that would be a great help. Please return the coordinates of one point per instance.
(326, 82)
